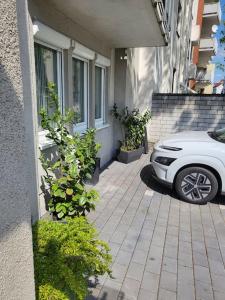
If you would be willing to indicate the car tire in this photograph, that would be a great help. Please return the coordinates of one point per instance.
(196, 185)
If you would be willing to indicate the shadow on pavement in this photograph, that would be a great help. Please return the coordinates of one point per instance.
(147, 177)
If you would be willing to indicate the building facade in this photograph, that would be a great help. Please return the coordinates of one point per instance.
(97, 53)
(207, 15)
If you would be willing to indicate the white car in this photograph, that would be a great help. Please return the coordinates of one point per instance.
(193, 163)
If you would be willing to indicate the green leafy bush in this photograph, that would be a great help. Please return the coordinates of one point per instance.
(76, 160)
(65, 256)
(132, 125)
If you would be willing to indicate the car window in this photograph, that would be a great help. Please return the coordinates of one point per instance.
(218, 135)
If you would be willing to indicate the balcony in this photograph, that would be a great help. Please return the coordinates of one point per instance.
(119, 24)
(207, 44)
(212, 10)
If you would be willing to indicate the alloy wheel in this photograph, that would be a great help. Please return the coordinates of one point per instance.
(196, 186)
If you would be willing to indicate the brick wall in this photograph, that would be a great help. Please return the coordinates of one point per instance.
(178, 112)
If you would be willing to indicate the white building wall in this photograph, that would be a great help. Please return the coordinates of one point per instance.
(161, 69)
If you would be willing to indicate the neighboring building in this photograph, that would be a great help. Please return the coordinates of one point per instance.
(206, 15)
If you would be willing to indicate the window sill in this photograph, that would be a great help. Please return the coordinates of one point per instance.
(44, 142)
(101, 126)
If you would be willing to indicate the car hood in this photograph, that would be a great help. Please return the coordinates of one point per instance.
(187, 136)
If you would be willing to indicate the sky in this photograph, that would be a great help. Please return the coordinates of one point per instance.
(220, 56)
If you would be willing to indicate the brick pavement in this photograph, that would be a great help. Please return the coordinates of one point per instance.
(162, 248)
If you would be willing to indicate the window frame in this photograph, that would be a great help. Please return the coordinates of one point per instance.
(44, 142)
(100, 121)
(82, 126)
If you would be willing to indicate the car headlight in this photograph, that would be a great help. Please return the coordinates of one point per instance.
(170, 148)
(166, 161)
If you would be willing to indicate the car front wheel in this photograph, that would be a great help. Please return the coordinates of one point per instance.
(196, 185)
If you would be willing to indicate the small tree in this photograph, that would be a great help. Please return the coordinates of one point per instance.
(66, 175)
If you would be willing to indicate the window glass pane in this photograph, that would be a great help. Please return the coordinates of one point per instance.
(78, 88)
(46, 71)
(98, 93)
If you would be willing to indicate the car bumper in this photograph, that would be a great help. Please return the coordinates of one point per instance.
(160, 179)
(159, 172)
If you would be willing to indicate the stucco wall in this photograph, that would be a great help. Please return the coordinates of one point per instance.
(176, 112)
(16, 256)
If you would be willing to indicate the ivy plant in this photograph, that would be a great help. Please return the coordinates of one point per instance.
(132, 126)
(66, 254)
(66, 176)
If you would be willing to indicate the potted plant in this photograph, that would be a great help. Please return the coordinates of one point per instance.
(133, 125)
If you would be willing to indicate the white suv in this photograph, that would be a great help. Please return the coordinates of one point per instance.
(193, 163)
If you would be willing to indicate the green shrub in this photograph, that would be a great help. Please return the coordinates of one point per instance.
(65, 255)
(132, 126)
(76, 160)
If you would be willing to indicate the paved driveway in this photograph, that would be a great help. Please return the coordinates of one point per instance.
(162, 247)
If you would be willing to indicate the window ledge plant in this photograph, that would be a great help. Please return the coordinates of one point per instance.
(133, 125)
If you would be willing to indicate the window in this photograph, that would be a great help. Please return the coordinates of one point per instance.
(80, 91)
(48, 66)
(99, 95)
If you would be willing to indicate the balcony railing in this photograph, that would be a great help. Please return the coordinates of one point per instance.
(212, 10)
(207, 44)
(162, 17)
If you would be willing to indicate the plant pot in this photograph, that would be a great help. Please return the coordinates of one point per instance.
(145, 142)
(128, 156)
(95, 175)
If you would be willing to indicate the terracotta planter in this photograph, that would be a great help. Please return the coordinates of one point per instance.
(128, 156)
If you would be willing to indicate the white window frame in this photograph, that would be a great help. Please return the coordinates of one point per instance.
(44, 142)
(100, 121)
(82, 126)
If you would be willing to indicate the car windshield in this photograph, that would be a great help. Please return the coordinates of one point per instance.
(218, 135)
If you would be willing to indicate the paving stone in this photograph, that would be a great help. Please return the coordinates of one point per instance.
(169, 265)
(185, 259)
(135, 271)
(153, 265)
(123, 257)
(170, 251)
(203, 290)
(139, 256)
(118, 237)
(200, 259)
(165, 294)
(216, 267)
(110, 290)
(219, 296)
(150, 282)
(118, 272)
(185, 275)
(146, 295)
(185, 291)
(218, 283)
(168, 281)
(202, 274)
(130, 289)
